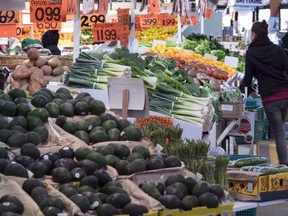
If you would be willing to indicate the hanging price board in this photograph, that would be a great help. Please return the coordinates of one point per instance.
(123, 22)
(208, 13)
(183, 20)
(137, 21)
(8, 30)
(153, 6)
(147, 21)
(19, 30)
(167, 20)
(46, 11)
(105, 32)
(193, 20)
(9, 17)
(103, 6)
(87, 21)
(113, 18)
(47, 25)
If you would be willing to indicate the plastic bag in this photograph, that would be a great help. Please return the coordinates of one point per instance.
(88, 6)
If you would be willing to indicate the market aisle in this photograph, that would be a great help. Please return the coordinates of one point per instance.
(273, 210)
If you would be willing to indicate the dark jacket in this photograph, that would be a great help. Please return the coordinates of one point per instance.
(268, 63)
(50, 41)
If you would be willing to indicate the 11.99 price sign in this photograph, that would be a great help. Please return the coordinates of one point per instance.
(46, 11)
(105, 32)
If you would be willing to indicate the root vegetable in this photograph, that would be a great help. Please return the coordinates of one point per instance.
(41, 61)
(57, 71)
(54, 62)
(33, 54)
(34, 86)
(28, 63)
(47, 70)
(32, 69)
(16, 83)
(38, 75)
(21, 72)
(25, 84)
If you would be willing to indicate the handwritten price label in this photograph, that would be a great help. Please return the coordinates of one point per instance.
(46, 11)
(147, 21)
(9, 17)
(47, 25)
(168, 20)
(87, 21)
(105, 32)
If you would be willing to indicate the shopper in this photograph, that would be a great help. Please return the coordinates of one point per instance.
(284, 42)
(268, 63)
(50, 41)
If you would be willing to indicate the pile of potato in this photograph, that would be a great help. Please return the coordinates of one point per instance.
(36, 71)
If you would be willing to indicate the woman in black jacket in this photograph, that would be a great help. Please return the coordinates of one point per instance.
(268, 63)
(50, 41)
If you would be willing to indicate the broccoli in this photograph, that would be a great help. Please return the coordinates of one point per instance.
(220, 54)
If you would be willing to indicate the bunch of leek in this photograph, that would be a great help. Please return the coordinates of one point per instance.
(90, 72)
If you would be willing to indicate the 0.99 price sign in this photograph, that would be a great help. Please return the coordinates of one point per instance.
(47, 25)
(87, 21)
(46, 11)
(147, 21)
(105, 32)
(9, 17)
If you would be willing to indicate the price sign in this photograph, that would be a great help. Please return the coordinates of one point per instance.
(183, 20)
(103, 6)
(46, 11)
(47, 25)
(153, 6)
(208, 13)
(163, 120)
(8, 30)
(193, 20)
(105, 32)
(9, 17)
(147, 21)
(123, 22)
(113, 18)
(137, 23)
(87, 21)
(18, 31)
(168, 20)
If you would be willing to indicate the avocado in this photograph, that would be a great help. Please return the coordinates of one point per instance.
(60, 175)
(209, 200)
(24, 160)
(20, 100)
(65, 91)
(106, 150)
(17, 92)
(61, 120)
(70, 127)
(3, 153)
(98, 136)
(200, 188)
(52, 156)
(118, 200)
(102, 176)
(172, 161)
(51, 211)
(82, 152)
(108, 190)
(58, 101)
(13, 199)
(31, 183)
(170, 190)
(17, 129)
(96, 107)
(81, 201)
(77, 174)
(38, 169)
(5, 134)
(106, 210)
(3, 163)
(189, 202)
(22, 109)
(82, 135)
(94, 121)
(123, 123)
(97, 158)
(67, 110)
(49, 165)
(120, 166)
(86, 188)
(31, 150)
(17, 140)
(53, 109)
(120, 150)
(135, 166)
(171, 179)
(61, 96)
(8, 207)
(38, 194)
(33, 137)
(69, 191)
(8, 108)
(190, 183)
(33, 122)
(133, 156)
(43, 132)
(133, 209)
(18, 120)
(217, 190)
(66, 152)
(52, 201)
(84, 125)
(107, 116)
(67, 163)
(81, 108)
(39, 101)
(93, 198)
(88, 165)
(81, 95)
(141, 150)
(111, 160)
(91, 181)
(170, 201)
(44, 93)
(151, 190)
(155, 162)
(132, 133)
(113, 134)
(41, 113)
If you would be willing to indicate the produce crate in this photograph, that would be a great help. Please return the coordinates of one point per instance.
(258, 133)
(247, 212)
(252, 102)
(11, 61)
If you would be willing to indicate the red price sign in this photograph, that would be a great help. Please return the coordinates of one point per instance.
(168, 20)
(9, 17)
(137, 22)
(46, 11)
(147, 21)
(123, 22)
(87, 21)
(105, 32)
(193, 20)
(47, 25)
(8, 30)
(113, 18)
(183, 20)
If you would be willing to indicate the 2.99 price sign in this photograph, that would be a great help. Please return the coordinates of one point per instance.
(9, 17)
(45, 11)
(105, 32)
(87, 21)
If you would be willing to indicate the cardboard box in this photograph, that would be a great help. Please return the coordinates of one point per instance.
(231, 110)
(253, 186)
(278, 182)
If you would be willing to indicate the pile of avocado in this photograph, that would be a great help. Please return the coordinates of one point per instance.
(179, 192)
(11, 205)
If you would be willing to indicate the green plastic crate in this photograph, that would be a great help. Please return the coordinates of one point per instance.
(247, 212)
